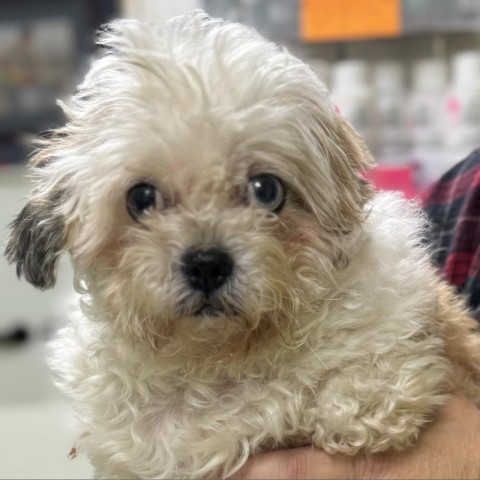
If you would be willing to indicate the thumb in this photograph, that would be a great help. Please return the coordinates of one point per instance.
(297, 463)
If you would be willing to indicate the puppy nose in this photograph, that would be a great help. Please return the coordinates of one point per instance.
(207, 269)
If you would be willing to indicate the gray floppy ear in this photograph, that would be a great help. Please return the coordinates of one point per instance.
(37, 237)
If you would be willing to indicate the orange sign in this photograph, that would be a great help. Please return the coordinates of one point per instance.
(329, 20)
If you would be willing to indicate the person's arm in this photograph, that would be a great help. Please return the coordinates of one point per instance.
(447, 448)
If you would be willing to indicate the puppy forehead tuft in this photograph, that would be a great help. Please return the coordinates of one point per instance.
(193, 91)
(198, 64)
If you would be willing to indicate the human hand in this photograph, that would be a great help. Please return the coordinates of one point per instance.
(448, 448)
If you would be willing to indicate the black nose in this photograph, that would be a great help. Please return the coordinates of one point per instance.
(207, 269)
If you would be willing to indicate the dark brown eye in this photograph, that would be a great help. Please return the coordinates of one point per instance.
(142, 197)
(267, 192)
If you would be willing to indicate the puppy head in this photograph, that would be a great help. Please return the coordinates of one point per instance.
(203, 185)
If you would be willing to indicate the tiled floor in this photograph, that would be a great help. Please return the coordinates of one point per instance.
(37, 428)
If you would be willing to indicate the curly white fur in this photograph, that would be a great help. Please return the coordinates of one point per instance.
(329, 332)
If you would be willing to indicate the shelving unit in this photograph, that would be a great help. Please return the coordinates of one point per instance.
(347, 20)
(326, 32)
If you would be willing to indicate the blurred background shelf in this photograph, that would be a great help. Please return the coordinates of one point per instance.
(44, 47)
(346, 20)
(440, 16)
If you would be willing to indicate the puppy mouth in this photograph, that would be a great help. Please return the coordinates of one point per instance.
(202, 307)
(213, 309)
(208, 310)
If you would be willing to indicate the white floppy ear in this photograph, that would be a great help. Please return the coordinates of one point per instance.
(37, 238)
(357, 156)
(347, 157)
(348, 163)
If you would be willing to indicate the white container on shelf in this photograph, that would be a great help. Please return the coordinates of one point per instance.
(427, 106)
(427, 118)
(390, 113)
(463, 107)
(353, 94)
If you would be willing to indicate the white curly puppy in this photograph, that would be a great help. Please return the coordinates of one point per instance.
(242, 287)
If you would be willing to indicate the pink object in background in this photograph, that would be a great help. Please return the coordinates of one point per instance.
(394, 177)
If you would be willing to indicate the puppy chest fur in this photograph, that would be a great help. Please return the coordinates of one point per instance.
(242, 286)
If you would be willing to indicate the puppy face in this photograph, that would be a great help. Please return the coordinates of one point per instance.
(203, 185)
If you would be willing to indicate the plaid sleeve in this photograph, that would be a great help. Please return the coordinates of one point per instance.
(453, 207)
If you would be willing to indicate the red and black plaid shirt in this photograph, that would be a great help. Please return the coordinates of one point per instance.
(453, 207)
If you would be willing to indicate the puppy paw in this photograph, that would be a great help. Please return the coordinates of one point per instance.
(364, 437)
(373, 421)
